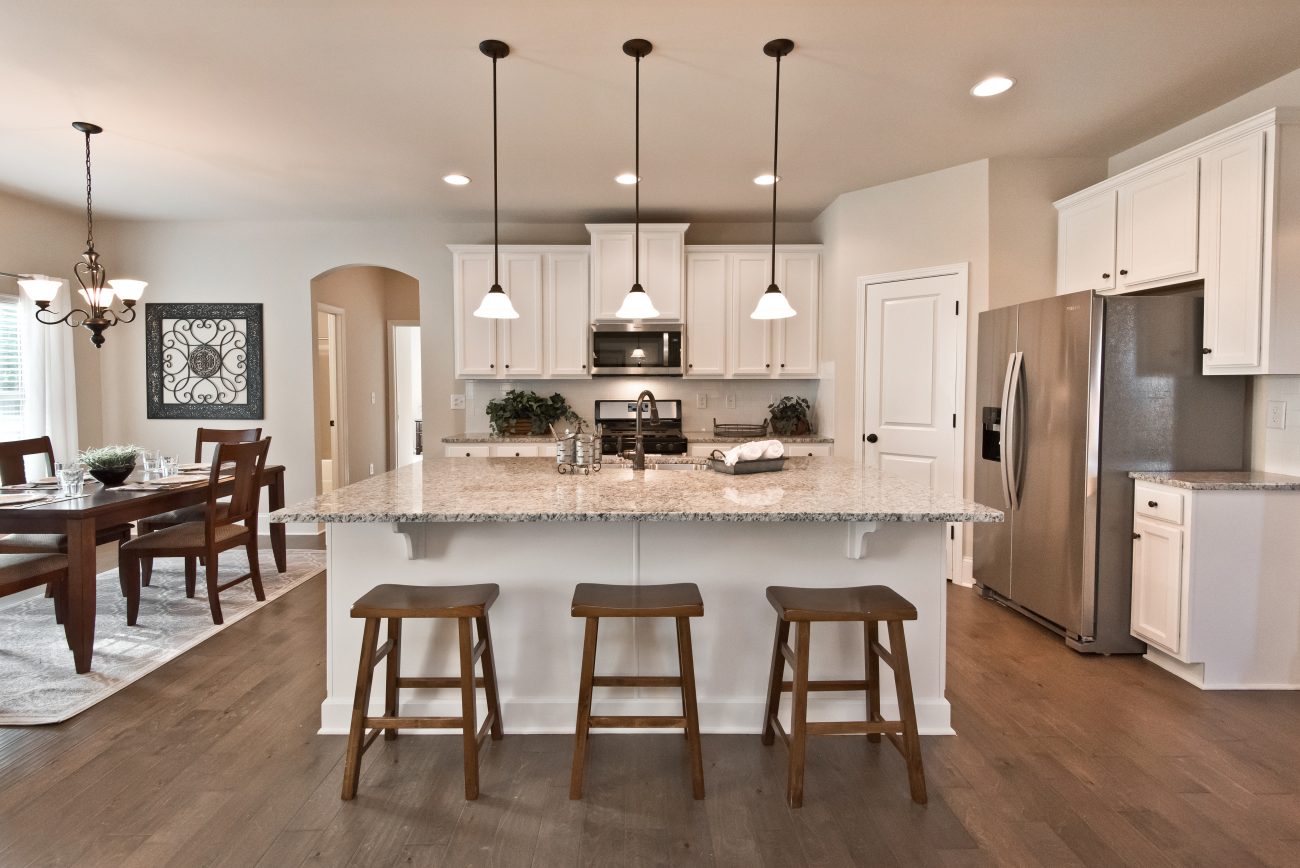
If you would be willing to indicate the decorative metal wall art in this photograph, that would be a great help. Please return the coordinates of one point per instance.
(204, 361)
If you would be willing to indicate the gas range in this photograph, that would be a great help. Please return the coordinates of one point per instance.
(616, 421)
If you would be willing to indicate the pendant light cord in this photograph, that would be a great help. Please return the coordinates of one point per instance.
(496, 220)
(776, 138)
(90, 214)
(636, 168)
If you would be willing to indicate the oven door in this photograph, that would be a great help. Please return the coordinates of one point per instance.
(620, 349)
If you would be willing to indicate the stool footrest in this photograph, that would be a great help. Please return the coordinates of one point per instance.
(828, 686)
(415, 722)
(854, 727)
(447, 681)
(883, 654)
(486, 729)
(637, 722)
(636, 681)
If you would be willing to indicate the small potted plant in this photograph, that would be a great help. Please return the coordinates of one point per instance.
(790, 416)
(523, 412)
(111, 465)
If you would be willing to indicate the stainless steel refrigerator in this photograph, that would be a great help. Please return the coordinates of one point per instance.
(1073, 393)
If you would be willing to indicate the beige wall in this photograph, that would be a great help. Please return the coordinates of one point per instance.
(42, 239)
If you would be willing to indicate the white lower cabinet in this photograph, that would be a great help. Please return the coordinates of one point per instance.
(495, 450)
(515, 450)
(465, 450)
(1215, 595)
(703, 449)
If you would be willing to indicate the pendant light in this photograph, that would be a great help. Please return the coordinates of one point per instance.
(637, 303)
(773, 304)
(496, 304)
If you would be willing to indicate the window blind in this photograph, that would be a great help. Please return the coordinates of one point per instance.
(11, 370)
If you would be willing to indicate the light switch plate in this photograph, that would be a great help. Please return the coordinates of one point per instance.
(1276, 414)
(458, 402)
(701, 401)
(731, 402)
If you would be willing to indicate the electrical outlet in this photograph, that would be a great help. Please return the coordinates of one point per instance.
(458, 402)
(1276, 414)
(373, 400)
(731, 402)
(701, 401)
(372, 470)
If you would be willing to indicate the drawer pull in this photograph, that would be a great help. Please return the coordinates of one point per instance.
(1152, 504)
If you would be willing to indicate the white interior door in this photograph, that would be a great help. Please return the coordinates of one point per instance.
(913, 362)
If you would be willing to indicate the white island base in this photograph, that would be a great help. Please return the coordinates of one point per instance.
(539, 645)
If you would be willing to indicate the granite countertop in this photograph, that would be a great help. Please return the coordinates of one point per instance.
(1220, 480)
(530, 489)
(691, 437)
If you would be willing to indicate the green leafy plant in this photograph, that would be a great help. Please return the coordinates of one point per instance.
(790, 415)
(527, 406)
(109, 457)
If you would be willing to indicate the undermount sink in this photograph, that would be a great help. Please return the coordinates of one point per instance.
(676, 467)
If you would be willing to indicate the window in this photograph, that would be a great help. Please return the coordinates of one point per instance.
(11, 370)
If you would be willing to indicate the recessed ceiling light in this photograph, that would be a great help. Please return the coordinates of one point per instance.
(766, 180)
(456, 180)
(993, 85)
(626, 178)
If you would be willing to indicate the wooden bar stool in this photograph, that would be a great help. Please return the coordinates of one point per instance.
(870, 604)
(680, 602)
(397, 602)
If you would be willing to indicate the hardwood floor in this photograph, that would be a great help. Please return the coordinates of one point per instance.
(1061, 760)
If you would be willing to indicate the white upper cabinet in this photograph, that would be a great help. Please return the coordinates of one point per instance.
(568, 338)
(799, 276)
(751, 339)
(1157, 234)
(613, 268)
(1085, 245)
(706, 314)
(520, 341)
(475, 338)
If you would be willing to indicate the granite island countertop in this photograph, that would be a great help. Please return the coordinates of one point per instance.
(530, 489)
(1220, 480)
(691, 437)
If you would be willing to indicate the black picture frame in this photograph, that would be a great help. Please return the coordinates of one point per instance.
(215, 362)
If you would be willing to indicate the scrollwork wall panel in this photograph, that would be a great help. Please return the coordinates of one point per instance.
(204, 361)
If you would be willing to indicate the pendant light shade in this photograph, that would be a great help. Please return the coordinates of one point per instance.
(637, 304)
(773, 304)
(496, 304)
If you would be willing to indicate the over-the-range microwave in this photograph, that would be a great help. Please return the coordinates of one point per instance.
(636, 348)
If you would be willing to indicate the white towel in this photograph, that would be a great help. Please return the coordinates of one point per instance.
(753, 451)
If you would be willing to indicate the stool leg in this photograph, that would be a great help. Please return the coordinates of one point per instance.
(871, 635)
(490, 678)
(774, 680)
(687, 661)
(360, 704)
(799, 716)
(907, 711)
(580, 732)
(469, 710)
(393, 672)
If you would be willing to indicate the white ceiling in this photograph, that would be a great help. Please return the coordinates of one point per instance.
(332, 109)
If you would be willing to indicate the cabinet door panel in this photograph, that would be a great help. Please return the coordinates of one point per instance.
(796, 338)
(568, 329)
(751, 339)
(611, 273)
(1157, 584)
(1086, 245)
(706, 314)
(475, 338)
(1158, 225)
(522, 344)
(661, 272)
(1232, 221)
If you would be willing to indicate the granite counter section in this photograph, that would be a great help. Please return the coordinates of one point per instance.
(1220, 480)
(691, 437)
(530, 490)
(504, 438)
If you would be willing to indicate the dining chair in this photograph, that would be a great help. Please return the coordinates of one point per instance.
(13, 471)
(19, 572)
(205, 436)
(224, 526)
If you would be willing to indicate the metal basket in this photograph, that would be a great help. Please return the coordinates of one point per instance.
(736, 430)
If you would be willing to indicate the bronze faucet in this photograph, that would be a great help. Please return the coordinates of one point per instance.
(638, 457)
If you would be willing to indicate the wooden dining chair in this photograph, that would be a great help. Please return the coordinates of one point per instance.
(19, 572)
(224, 526)
(205, 436)
(13, 471)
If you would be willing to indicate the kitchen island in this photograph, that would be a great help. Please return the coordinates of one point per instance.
(536, 533)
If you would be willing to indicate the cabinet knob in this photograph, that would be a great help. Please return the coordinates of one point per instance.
(1205, 351)
(690, 364)
(1137, 535)
(1105, 275)
(1152, 504)
(507, 367)
(768, 365)
(492, 365)
(466, 454)
(516, 454)
(872, 438)
(584, 367)
(1123, 271)
(783, 364)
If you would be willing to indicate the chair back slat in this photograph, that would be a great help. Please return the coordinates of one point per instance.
(243, 461)
(223, 435)
(13, 455)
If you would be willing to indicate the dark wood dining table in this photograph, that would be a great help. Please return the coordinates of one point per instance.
(101, 507)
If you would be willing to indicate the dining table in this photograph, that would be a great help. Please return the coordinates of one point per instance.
(99, 507)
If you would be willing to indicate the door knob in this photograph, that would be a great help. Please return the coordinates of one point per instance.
(872, 438)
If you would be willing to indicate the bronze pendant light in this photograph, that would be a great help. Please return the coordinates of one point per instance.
(496, 304)
(773, 304)
(637, 303)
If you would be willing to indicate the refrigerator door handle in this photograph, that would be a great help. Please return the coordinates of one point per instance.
(1004, 433)
(1011, 424)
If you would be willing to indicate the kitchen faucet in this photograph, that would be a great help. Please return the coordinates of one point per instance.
(638, 457)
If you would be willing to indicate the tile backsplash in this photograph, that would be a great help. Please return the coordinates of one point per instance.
(751, 396)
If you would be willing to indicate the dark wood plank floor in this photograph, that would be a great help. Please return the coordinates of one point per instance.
(1061, 760)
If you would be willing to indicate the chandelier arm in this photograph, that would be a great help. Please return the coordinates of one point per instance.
(124, 316)
(49, 317)
(17, 276)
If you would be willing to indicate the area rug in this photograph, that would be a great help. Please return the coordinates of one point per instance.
(37, 681)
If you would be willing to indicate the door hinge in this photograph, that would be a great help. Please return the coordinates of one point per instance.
(954, 420)
(956, 311)
(864, 438)
(952, 532)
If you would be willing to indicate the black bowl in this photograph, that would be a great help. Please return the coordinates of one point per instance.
(113, 476)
